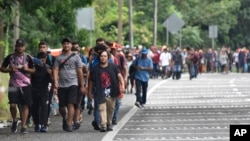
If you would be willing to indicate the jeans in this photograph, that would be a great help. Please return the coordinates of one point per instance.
(96, 112)
(117, 107)
(141, 91)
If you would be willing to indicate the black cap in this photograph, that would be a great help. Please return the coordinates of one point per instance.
(20, 42)
(41, 55)
(66, 39)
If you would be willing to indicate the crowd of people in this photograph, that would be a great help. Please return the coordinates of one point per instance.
(98, 80)
(72, 78)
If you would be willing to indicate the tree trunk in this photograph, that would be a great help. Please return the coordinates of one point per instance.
(131, 35)
(1, 40)
(16, 21)
(120, 4)
(155, 22)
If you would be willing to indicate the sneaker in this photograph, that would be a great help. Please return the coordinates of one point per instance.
(142, 106)
(14, 126)
(102, 129)
(114, 122)
(64, 126)
(95, 125)
(49, 123)
(37, 128)
(109, 128)
(137, 104)
(24, 130)
(68, 128)
(44, 128)
(29, 123)
(76, 126)
(90, 111)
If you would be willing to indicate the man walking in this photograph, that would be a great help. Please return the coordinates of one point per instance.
(144, 65)
(105, 78)
(20, 66)
(67, 72)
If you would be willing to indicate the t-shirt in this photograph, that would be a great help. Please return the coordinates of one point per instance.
(19, 78)
(165, 58)
(143, 75)
(67, 73)
(105, 81)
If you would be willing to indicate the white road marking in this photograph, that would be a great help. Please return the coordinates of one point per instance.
(110, 135)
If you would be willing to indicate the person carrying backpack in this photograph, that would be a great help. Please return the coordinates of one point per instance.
(20, 66)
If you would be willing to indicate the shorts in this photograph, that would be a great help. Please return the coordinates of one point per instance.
(67, 95)
(79, 98)
(20, 95)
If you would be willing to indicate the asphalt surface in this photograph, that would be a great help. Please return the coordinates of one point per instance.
(201, 109)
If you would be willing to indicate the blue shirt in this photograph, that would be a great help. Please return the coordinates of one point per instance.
(143, 75)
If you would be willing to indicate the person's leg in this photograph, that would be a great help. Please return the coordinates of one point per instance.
(116, 111)
(110, 102)
(103, 116)
(71, 101)
(25, 114)
(35, 111)
(144, 92)
(62, 106)
(78, 110)
(96, 114)
(44, 111)
(14, 99)
(26, 102)
(138, 85)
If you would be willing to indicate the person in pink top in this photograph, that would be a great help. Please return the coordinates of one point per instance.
(20, 66)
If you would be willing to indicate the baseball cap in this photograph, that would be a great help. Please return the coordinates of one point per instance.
(20, 42)
(144, 51)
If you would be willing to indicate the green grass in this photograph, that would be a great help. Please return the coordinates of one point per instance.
(4, 106)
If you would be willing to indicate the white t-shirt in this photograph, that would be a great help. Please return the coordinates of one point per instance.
(165, 58)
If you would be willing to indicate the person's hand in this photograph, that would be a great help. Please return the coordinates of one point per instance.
(82, 90)
(13, 69)
(25, 67)
(55, 91)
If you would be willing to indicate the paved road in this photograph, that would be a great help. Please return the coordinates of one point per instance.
(198, 110)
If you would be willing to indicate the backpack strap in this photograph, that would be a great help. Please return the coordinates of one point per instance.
(61, 65)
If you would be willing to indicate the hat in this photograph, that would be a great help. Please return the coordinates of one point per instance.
(20, 42)
(66, 39)
(144, 51)
(164, 47)
(41, 55)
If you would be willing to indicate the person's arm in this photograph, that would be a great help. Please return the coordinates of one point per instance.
(55, 73)
(90, 86)
(121, 80)
(80, 80)
(6, 68)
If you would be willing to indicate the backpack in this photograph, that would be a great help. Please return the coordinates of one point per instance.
(132, 68)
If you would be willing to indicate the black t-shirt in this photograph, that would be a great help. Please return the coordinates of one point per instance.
(105, 81)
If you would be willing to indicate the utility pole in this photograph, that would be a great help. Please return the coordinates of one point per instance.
(155, 22)
(16, 20)
(120, 5)
(131, 33)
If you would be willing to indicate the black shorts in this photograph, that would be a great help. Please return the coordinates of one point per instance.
(79, 98)
(20, 95)
(67, 95)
